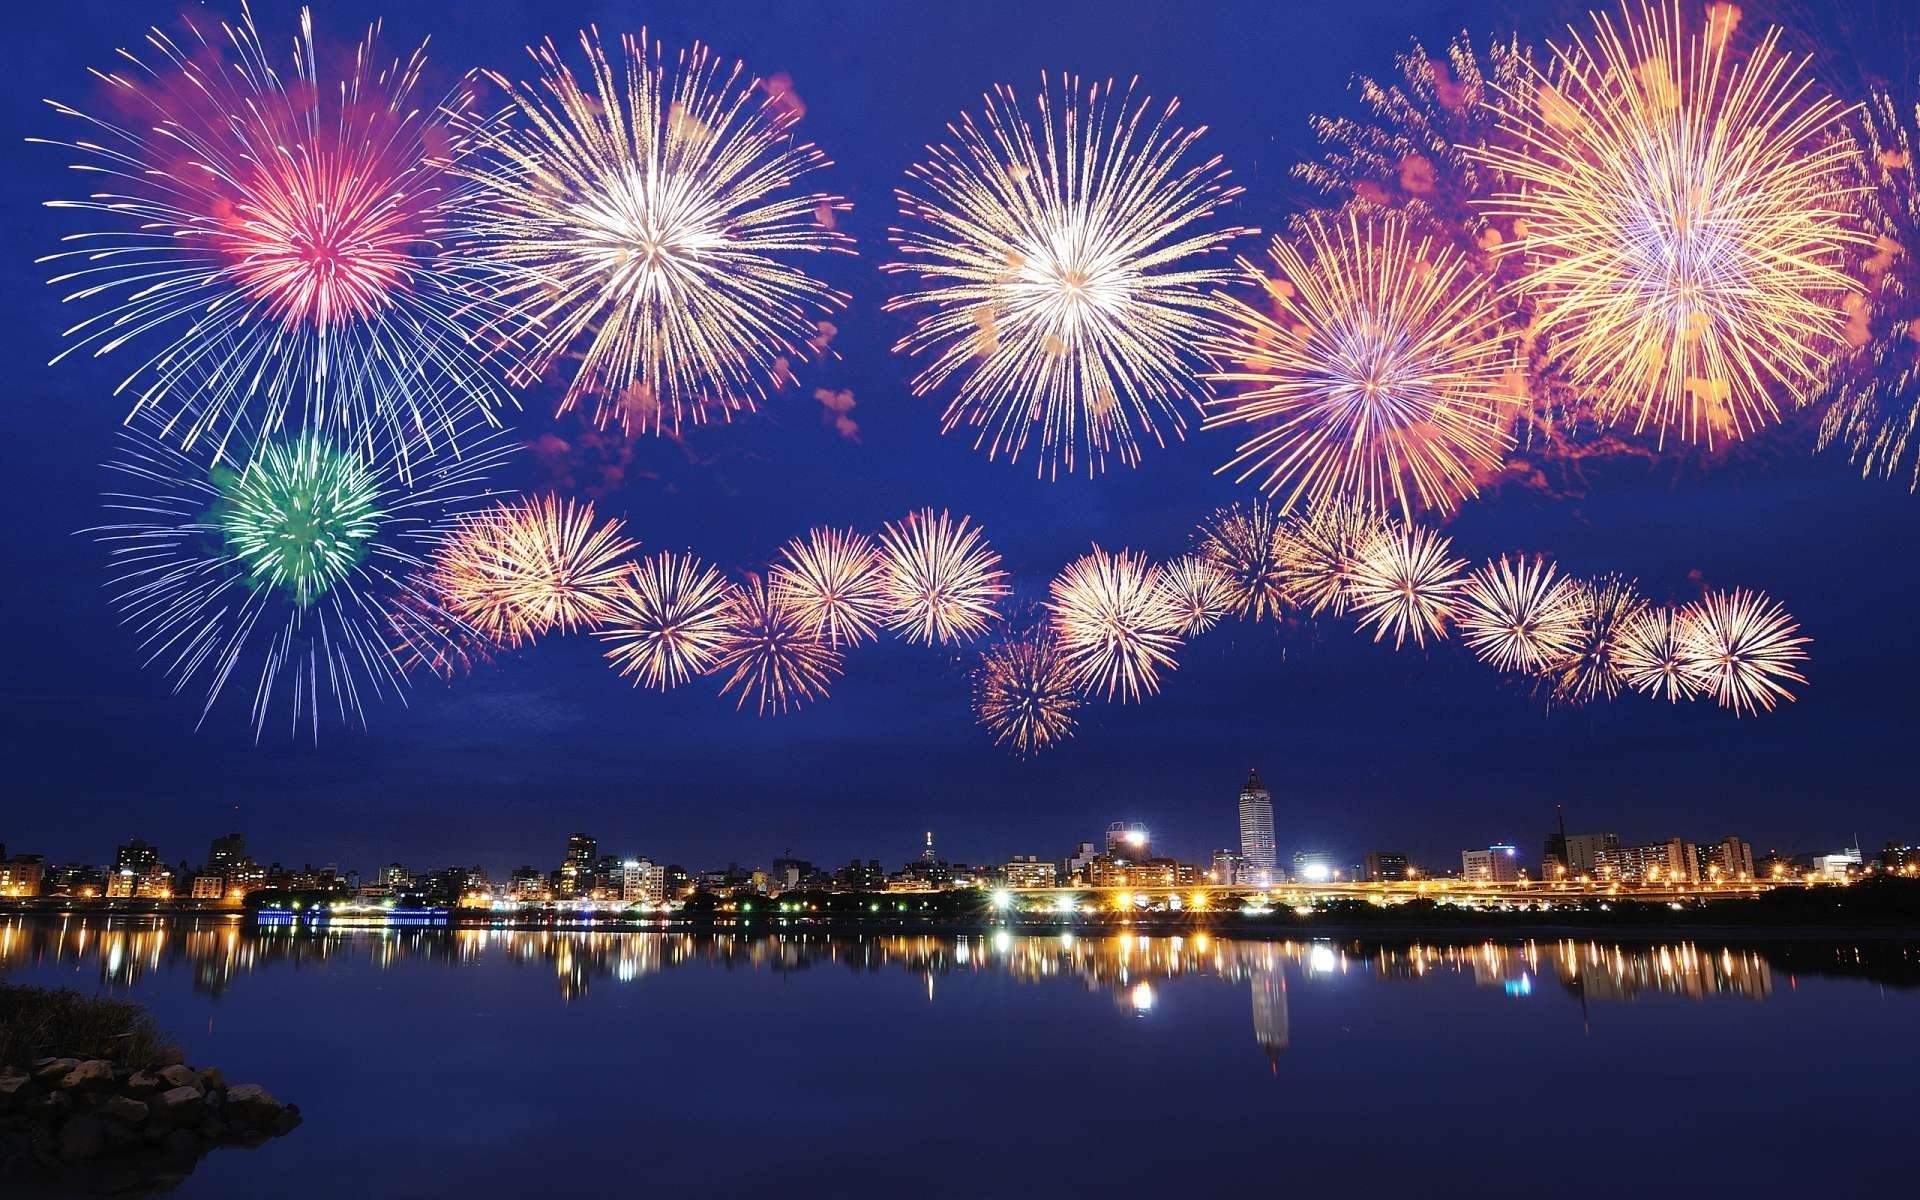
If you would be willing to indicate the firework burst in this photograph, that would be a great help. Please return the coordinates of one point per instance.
(1024, 694)
(1744, 648)
(277, 241)
(837, 581)
(667, 622)
(1197, 591)
(1378, 380)
(1653, 657)
(646, 219)
(767, 653)
(1322, 548)
(298, 566)
(1247, 544)
(1685, 223)
(1063, 286)
(1115, 623)
(1404, 583)
(1593, 668)
(520, 569)
(1520, 614)
(942, 582)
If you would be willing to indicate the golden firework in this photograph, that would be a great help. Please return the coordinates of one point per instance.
(1024, 694)
(1744, 648)
(836, 579)
(941, 580)
(668, 621)
(1196, 590)
(1247, 544)
(1653, 655)
(1406, 584)
(768, 653)
(520, 569)
(1321, 550)
(1115, 623)
(1520, 614)
(1593, 668)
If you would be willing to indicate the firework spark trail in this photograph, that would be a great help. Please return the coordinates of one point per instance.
(1062, 286)
(523, 568)
(1744, 649)
(1685, 223)
(1114, 623)
(1379, 378)
(1653, 655)
(203, 569)
(1024, 694)
(647, 220)
(1321, 550)
(1593, 669)
(1248, 545)
(1197, 591)
(1406, 584)
(837, 580)
(667, 622)
(767, 652)
(1519, 613)
(281, 241)
(942, 581)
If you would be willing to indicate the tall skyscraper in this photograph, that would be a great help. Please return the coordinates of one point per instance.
(1256, 830)
(225, 854)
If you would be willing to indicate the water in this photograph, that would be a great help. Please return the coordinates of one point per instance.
(497, 1063)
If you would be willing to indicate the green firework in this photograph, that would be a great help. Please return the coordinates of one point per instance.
(299, 517)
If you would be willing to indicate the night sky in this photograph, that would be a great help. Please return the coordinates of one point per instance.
(1363, 747)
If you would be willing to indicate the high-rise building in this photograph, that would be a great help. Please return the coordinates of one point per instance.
(225, 854)
(1671, 861)
(1496, 864)
(1383, 866)
(576, 869)
(1030, 872)
(1256, 830)
(1728, 860)
(1569, 855)
(135, 857)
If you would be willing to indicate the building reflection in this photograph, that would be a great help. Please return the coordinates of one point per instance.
(1134, 969)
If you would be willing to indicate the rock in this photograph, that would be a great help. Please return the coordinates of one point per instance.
(54, 1068)
(50, 1105)
(125, 1109)
(16, 1088)
(177, 1102)
(251, 1102)
(96, 1073)
(168, 1056)
(213, 1129)
(143, 1083)
(289, 1117)
(212, 1080)
(81, 1138)
(180, 1076)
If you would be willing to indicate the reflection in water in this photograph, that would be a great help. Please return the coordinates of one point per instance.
(221, 951)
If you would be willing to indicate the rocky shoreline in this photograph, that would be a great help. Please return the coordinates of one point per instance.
(94, 1125)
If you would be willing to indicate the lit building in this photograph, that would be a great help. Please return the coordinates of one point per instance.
(1256, 831)
(576, 869)
(1030, 872)
(1671, 861)
(527, 883)
(121, 884)
(1383, 866)
(1080, 860)
(857, 876)
(1577, 853)
(1229, 869)
(640, 881)
(1727, 859)
(226, 853)
(1129, 842)
(21, 876)
(1839, 865)
(1495, 864)
(135, 856)
(208, 887)
(1312, 866)
(156, 884)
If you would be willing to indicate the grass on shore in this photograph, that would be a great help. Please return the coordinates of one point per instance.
(41, 1022)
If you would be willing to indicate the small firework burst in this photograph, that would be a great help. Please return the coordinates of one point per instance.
(1247, 544)
(667, 622)
(1196, 590)
(1380, 378)
(836, 579)
(300, 515)
(1592, 669)
(1064, 285)
(1744, 648)
(1653, 656)
(1115, 623)
(1024, 694)
(646, 219)
(1405, 584)
(520, 569)
(767, 652)
(1520, 614)
(1322, 548)
(942, 582)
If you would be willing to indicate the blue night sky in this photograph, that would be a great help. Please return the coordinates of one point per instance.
(1362, 746)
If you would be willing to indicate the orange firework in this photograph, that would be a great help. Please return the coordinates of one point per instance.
(1744, 649)
(1592, 669)
(1684, 221)
(942, 581)
(1653, 655)
(1024, 694)
(528, 566)
(768, 653)
(1520, 614)
(668, 621)
(1380, 378)
(835, 578)
(1196, 590)
(1248, 545)
(1405, 583)
(1116, 626)
(1321, 550)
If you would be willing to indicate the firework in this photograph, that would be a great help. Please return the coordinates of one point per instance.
(1024, 694)
(941, 580)
(520, 569)
(646, 219)
(277, 242)
(1685, 223)
(1377, 380)
(1744, 649)
(1593, 668)
(767, 652)
(1248, 545)
(668, 621)
(1115, 623)
(1405, 583)
(1520, 614)
(836, 580)
(1197, 591)
(298, 566)
(1063, 287)
(1653, 658)
(1874, 394)
(1321, 550)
